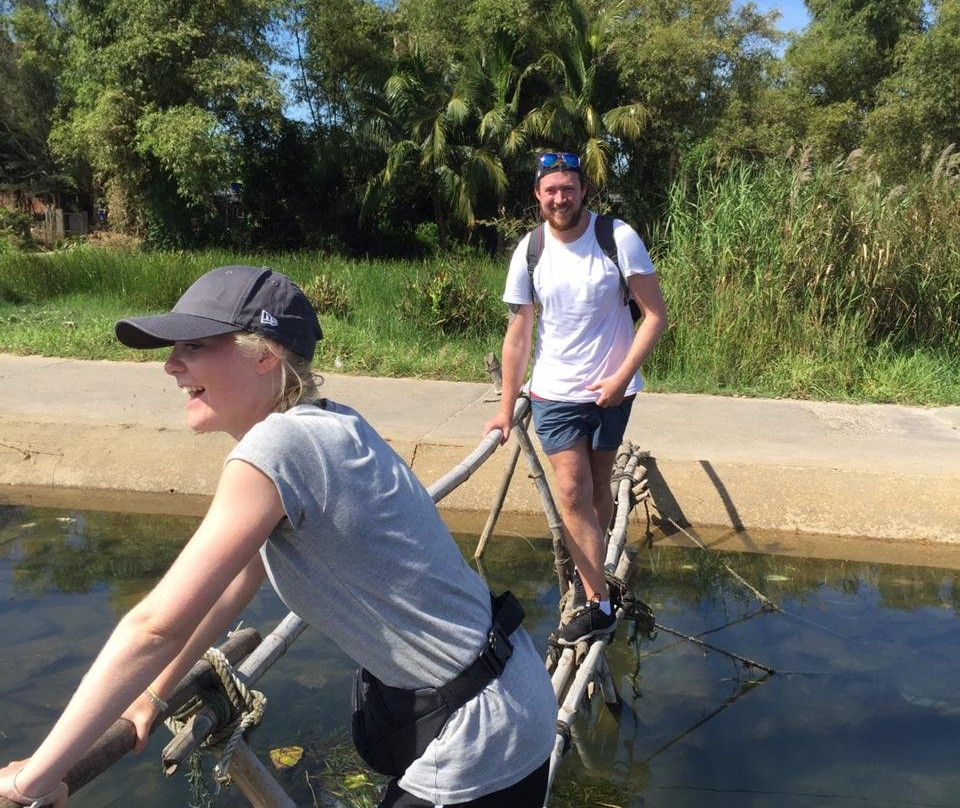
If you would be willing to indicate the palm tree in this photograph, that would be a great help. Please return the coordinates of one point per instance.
(495, 81)
(427, 125)
(583, 110)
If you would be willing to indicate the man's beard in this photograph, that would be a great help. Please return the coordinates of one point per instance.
(566, 220)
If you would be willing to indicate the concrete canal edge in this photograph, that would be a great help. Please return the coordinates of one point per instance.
(763, 475)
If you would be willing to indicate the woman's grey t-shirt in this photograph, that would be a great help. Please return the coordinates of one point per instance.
(364, 556)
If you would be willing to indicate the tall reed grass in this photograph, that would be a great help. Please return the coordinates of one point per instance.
(785, 279)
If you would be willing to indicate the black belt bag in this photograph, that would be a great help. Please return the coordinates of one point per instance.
(393, 726)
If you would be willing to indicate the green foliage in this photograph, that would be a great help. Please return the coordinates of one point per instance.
(774, 277)
(66, 302)
(189, 145)
(920, 102)
(425, 113)
(815, 277)
(585, 112)
(14, 228)
(451, 300)
(154, 101)
(152, 281)
(28, 71)
(328, 296)
(425, 134)
(341, 56)
(840, 60)
(800, 281)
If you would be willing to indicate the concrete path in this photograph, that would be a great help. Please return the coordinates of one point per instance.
(112, 434)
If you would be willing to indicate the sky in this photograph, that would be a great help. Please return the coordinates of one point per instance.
(793, 13)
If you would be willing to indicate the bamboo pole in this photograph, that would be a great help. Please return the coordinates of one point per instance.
(618, 465)
(492, 363)
(618, 535)
(607, 686)
(563, 671)
(585, 674)
(204, 721)
(120, 738)
(623, 571)
(498, 500)
(559, 750)
(255, 780)
(561, 557)
(568, 708)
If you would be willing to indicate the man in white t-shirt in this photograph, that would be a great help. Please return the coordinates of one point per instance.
(586, 364)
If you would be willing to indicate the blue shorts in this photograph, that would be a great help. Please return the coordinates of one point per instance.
(563, 424)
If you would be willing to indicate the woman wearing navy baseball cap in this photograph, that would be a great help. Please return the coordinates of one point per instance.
(314, 498)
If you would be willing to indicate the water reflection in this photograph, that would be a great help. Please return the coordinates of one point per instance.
(76, 552)
(862, 708)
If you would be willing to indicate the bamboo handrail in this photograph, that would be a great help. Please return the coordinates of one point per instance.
(460, 473)
(465, 468)
(120, 738)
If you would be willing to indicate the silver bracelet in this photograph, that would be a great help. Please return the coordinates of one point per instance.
(159, 703)
(37, 802)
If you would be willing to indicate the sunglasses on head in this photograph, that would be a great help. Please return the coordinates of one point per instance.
(558, 160)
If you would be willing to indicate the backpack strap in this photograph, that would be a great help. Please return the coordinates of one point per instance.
(604, 232)
(534, 251)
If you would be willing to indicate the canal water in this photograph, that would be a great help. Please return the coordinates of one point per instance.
(862, 709)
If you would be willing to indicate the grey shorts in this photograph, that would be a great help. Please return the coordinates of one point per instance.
(562, 424)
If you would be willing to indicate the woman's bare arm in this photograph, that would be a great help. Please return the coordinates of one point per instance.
(182, 609)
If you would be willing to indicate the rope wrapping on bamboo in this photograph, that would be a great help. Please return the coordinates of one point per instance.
(235, 699)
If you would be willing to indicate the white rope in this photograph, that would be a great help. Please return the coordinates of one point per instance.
(249, 703)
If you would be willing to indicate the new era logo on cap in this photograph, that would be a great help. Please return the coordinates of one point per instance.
(266, 318)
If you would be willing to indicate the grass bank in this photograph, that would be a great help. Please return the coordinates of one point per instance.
(379, 318)
(781, 281)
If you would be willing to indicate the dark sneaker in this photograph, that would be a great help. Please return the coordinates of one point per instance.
(615, 587)
(584, 623)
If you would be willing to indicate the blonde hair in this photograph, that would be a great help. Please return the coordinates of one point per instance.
(298, 382)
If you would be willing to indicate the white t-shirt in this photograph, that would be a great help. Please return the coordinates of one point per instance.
(585, 331)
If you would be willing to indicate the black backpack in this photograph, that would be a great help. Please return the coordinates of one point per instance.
(603, 229)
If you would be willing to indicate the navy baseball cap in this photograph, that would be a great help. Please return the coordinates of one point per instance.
(229, 299)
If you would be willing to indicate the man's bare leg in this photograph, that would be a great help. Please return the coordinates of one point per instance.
(575, 471)
(601, 467)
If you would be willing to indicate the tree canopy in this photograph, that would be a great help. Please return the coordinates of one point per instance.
(407, 126)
